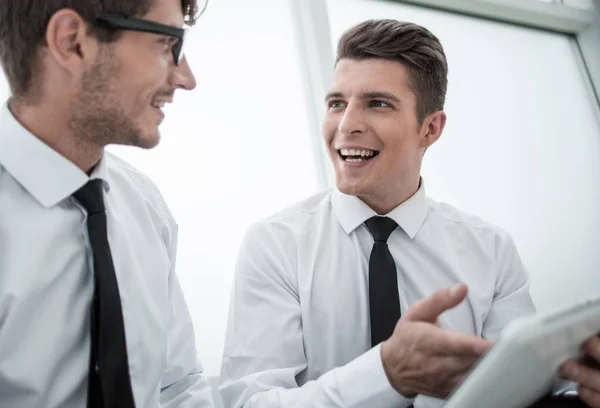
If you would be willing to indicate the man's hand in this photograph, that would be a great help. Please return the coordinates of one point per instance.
(422, 358)
(586, 373)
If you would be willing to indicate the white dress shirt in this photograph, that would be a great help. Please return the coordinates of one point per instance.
(46, 281)
(299, 334)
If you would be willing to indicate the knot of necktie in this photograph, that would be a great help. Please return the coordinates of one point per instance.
(381, 227)
(91, 196)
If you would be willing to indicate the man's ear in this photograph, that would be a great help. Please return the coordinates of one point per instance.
(432, 128)
(70, 44)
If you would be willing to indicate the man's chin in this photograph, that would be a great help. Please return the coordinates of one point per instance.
(150, 142)
(351, 188)
(145, 140)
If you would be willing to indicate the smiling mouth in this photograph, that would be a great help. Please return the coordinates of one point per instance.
(357, 156)
(158, 104)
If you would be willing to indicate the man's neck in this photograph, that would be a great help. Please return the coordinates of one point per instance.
(49, 122)
(387, 202)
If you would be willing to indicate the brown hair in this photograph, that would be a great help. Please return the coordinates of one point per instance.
(23, 25)
(412, 45)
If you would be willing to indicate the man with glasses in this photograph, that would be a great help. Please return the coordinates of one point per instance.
(91, 311)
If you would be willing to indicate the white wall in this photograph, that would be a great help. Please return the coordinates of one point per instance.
(522, 145)
(234, 150)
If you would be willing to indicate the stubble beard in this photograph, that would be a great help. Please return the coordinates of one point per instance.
(98, 117)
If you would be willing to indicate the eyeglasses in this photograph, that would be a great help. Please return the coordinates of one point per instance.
(137, 24)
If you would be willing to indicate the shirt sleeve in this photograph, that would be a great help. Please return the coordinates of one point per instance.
(512, 298)
(183, 384)
(264, 349)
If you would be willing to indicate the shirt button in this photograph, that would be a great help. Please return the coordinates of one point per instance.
(96, 368)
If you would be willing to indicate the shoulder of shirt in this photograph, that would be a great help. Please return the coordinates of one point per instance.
(295, 218)
(446, 213)
(120, 169)
(301, 209)
(283, 230)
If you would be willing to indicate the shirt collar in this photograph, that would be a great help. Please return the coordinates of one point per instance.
(351, 211)
(44, 173)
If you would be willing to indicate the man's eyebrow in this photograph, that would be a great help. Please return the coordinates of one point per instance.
(380, 95)
(333, 95)
(366, 95)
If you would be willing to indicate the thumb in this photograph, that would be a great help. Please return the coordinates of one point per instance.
(429, 308)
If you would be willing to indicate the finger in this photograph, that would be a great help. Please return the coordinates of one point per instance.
(581, 374)
(592, 349)
(429, 308)
(450, 372)
(590, 397)
(568, 369)
(455, 382)
(447, 342)
(459, 379)
(457, 366)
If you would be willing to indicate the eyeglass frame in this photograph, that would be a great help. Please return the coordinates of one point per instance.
(121, 22)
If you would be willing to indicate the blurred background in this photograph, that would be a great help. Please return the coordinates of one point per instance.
(521, 148)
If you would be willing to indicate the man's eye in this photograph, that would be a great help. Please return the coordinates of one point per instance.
(168, 40)
(335, 104)
(379, 104)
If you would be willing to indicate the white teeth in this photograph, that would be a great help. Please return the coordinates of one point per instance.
(354, 152)
(354, 160)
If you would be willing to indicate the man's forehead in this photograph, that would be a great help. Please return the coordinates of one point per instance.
(167, 12)
(368, 75)
(369, 67)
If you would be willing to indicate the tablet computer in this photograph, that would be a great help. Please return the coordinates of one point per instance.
(522, 365)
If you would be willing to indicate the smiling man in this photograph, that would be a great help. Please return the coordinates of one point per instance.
(356, 297)
(91, 310)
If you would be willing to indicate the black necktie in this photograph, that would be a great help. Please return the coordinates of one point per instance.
(384, 301)
(109, 382)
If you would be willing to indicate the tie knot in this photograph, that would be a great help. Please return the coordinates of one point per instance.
(91, 196)
(381, 227)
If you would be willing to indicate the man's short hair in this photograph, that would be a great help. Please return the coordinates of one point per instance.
(410, 44)
(23, 25)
